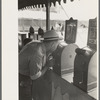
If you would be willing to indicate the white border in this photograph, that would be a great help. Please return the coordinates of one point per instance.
(10, 49)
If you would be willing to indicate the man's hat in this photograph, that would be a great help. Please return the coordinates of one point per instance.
(52, 35)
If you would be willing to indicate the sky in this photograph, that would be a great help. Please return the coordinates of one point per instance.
(81, 9)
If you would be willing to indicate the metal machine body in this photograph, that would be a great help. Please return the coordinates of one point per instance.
(83, 71)
(64, 58)
(92, 72)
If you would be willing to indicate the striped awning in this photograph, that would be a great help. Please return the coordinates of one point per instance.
(36, 3)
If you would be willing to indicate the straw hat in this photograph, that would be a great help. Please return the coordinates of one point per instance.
(52, 35)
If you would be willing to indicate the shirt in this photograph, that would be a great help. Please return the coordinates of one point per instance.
(32, 58)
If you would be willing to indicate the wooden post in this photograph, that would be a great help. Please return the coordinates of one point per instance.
(48, 15)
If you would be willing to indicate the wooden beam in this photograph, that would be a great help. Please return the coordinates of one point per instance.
(48, 15)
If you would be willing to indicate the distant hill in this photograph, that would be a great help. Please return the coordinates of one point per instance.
(25, 23)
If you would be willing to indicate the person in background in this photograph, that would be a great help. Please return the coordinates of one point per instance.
(40, 32)
(34, 63)
(52, 28)
(62, 30)
(31, 33)
(19, 45)
(19, 42)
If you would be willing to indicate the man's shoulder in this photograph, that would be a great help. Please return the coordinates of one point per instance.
(37, 44)
(41, 47)
(34, 46)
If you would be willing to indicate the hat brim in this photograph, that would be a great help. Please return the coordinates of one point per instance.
(50, 39)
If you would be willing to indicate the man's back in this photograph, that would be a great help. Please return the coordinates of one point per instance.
(30, 56)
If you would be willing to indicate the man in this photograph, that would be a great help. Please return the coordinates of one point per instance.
(34, 63)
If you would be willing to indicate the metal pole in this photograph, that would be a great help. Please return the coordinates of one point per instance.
(48, 15)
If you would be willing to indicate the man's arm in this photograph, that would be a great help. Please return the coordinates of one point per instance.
(48, 65)
(36, 67)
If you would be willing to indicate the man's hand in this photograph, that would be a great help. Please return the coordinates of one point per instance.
(50, 62)
(49, 65)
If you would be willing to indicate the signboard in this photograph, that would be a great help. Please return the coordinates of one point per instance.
(70, 31)
(92, 34)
